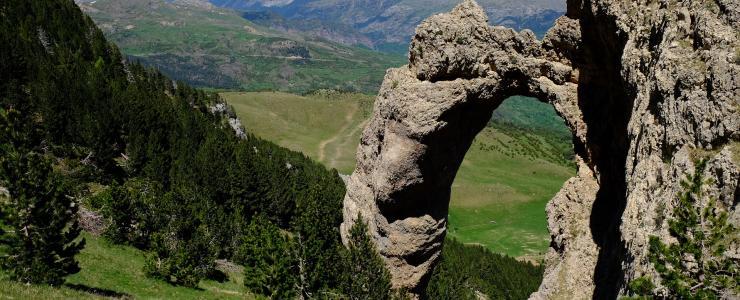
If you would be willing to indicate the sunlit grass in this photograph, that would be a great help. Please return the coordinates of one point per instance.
(116, 271)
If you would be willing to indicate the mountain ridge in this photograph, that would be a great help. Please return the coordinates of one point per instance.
(208, 46)
(393, 21)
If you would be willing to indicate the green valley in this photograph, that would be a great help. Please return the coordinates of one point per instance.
(389, 25)
(507, 169)
(206, 46)
(510, 172)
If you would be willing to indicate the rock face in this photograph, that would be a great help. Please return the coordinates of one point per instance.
(645, 87)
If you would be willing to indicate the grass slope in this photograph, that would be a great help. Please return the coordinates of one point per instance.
(498, 199)
(116, 271)
(324, 127)
(499, 194)
(14, 290)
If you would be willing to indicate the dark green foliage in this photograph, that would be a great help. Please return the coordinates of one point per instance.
(132, 211)
(98, 200)
(366, 275)
(39, 244)
(447, 282)
(465, 269)
(119, 210)
(183, 249)
(641, 286)
(317, 232)
(182, 260)
(268, 259)
(695, 267)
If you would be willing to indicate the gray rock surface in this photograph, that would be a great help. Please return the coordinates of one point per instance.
(645, 87)
(227, 113)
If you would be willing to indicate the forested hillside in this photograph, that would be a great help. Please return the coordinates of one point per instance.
(466, 272)
(81, 129)
(175, 179)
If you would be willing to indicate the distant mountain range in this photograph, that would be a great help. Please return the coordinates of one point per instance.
(287, 45)
(388, 24)
(208, 46)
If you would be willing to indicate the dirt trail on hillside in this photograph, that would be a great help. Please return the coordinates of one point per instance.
(322, 146)
(348, 142)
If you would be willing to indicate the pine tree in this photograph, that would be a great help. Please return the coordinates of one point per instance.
(269, 265)
(40, 243)
(119, 211)
(450, 278)
(695, 267)
(183, 250)
(316, 225)
(130, 211)
(365, 272)
(181, 261)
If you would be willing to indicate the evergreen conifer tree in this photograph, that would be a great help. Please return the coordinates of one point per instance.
(450, 278)
(183, 251)
(366, 275)
(695, 266)
(40, 242)
(317, 228)
(118, 210)
(269, 266)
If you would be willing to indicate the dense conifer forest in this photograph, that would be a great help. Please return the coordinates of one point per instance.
(81, 127)
(466, 271)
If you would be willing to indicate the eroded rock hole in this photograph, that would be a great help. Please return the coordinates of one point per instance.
(428, 113)
(516, 164)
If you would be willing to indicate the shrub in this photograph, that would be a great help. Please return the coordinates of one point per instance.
(130, 210)
(641, 286)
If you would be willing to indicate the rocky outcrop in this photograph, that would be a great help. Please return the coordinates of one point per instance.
(226, 113)
(643, 85)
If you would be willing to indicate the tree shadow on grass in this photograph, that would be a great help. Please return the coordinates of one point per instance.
(98, 291)
(195, 288)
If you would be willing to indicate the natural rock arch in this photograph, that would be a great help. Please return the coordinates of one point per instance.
(426, 117)
(597, 67)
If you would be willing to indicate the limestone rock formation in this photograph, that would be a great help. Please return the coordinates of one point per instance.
(644, 86)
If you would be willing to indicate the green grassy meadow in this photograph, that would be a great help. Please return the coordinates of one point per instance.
(113, 271)
(325, 127)
(499, 194)
(498, 200)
